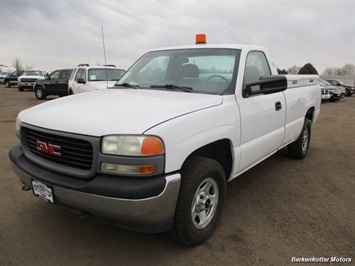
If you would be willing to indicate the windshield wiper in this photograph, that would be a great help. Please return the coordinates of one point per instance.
(172, 86)
(127, 85)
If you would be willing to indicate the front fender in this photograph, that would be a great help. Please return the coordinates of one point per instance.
(185, 134)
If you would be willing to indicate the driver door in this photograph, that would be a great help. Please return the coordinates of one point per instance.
(262, 115)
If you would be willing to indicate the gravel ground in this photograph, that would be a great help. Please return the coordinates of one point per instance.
(279, 211)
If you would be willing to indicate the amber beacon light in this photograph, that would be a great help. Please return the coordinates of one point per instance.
(200, 38)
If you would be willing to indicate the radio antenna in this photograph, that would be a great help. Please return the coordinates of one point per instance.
(103, 43)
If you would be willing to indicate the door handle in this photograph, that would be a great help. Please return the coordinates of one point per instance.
(278, 106)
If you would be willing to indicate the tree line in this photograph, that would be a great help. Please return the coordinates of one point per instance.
(17, 63)
(346, 70)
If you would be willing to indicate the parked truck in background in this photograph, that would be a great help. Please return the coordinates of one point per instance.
(11, 79)
(155, 152)
(86, 78)
(349, 89)
(56, 83)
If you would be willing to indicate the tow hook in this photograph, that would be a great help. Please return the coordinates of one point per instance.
(25, 188)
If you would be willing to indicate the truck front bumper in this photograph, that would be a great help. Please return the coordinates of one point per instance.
(151, 214)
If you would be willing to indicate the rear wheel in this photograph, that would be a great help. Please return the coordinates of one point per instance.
(39, 92)
(200, 203)
(20, 88)
(299, 148)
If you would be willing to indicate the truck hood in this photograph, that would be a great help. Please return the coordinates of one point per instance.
(115, 111)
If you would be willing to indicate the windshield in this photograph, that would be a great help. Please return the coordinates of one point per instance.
(103, 74)
(324, 82)
(32, 73)
(209, 70)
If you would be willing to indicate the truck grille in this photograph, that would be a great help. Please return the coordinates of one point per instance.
(28, 79)
(74, 152)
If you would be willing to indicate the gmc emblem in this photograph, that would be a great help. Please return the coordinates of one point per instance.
(48, 148)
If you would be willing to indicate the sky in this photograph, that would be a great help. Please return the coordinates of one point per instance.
(52, 34)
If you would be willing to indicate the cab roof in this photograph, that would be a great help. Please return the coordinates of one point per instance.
(221, 46)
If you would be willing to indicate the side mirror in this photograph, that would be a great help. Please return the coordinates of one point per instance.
(47, 76)
(81, 81)
(268, 84)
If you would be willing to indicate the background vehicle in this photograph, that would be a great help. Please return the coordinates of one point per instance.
(8, 69)
(54, 84)
(348, 88)
(3, 75)
(325, 94)
(11, 79)
(334, 92)
(28, 78)
(85, 78)
(155, 152)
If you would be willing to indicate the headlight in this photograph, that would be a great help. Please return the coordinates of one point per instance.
(132, 145)
(18, 128)
(18, 124)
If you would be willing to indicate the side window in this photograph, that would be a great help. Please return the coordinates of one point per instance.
(256, 66)
(83, 75)
(55, 75)
(78, 74)
(72, 74)
(65, 74)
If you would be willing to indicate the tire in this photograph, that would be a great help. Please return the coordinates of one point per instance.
(40, 93)
(20, 88)
(70, 92)
(299, 148)
(7, 84)
(200, 203)
(348, 92)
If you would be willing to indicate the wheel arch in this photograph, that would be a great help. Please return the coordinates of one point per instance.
(220, 151)
(310, 114)
(41, 86)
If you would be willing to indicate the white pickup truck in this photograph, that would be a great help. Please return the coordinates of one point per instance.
(155, 152)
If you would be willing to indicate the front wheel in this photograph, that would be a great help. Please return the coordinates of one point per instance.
(40, 94)
(299, 148)
(348, 93)
(200, 203)
(7, 84)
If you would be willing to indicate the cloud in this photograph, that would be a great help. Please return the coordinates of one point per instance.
(58, 34)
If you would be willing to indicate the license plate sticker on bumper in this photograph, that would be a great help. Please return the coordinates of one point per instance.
(42, 191)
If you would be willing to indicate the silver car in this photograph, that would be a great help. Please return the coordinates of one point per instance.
(335, 92)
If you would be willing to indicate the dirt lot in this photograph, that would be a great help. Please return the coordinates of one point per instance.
(280, 209)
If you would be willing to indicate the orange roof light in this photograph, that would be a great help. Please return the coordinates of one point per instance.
(201, 39)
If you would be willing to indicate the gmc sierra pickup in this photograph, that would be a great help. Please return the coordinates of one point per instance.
(155, 152)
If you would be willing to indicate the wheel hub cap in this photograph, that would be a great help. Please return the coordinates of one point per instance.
(204, 204)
